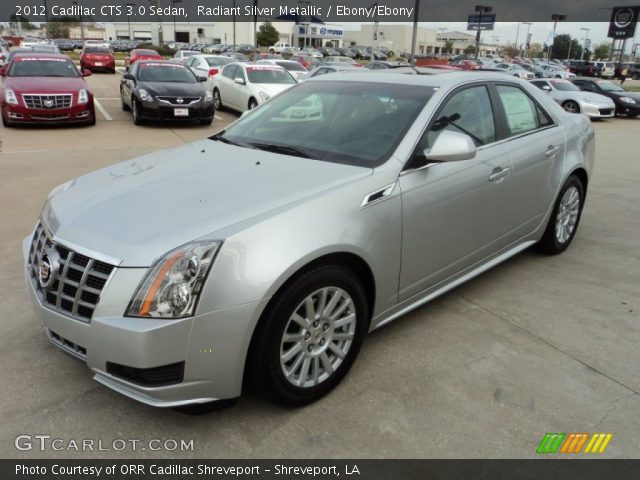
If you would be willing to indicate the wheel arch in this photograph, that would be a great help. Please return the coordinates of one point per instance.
(582, 175)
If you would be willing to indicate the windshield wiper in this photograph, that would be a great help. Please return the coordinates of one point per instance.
(444, 120)
(285, 150)
(220, 138)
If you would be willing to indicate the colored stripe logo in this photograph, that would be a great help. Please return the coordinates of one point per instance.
(573, 443)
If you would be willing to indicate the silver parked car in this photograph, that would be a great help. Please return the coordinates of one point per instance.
(267, 252)
(574, 100)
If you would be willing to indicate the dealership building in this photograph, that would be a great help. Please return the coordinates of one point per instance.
(315, 34)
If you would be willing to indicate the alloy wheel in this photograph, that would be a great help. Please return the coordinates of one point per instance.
(318, 337)
(567, 216)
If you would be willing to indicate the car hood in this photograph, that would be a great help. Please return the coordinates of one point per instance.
(634, 95)
(44, 84)
(595, 98)
(173, 88)
(140, 209)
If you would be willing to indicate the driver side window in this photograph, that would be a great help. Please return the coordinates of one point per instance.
(467, 111)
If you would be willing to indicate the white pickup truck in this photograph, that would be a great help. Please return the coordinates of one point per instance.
(278, 47)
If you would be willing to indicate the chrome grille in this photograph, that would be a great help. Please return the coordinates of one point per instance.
(186, 101)
(47, 102)
(78, 282)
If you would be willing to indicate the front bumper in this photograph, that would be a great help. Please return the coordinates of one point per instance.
(19, 114)
(213, 346)
(627, 109)
(598, 111)
(164, 112)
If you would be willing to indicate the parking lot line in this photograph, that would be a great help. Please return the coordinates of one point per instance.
(102, 110)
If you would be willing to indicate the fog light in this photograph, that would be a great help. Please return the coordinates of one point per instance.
(15, 115)
(83, 114)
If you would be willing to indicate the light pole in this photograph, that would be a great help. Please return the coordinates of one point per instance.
(480, 9)
(175, 35)
(517, 35)
(526, 51)
(130, 8)
(414, 35)
(556, 17)
(81, 24)
(375, 32)
(586, 36)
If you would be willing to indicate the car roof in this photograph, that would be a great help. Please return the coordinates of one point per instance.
(32, 54)
(440, 78)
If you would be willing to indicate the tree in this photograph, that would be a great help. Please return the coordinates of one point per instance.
(601, 51)
(470, 50)
(510, 51)
(59, 27)
(329, 44)
(267, 35)
(24, 22)
(448, 47)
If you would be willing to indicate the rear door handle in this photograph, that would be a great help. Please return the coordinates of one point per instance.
(552, 150)
(499, 173)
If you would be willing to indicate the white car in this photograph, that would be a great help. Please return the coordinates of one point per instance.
(244, 86)
(207, 66)
(28, 42)
(604, 69)
(97, 43)
(554, 71)
(294, 68)
(574, 100)
(183, 55)
(516, 70)
(278, 47)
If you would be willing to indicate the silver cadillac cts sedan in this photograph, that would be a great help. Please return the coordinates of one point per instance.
(263, 255)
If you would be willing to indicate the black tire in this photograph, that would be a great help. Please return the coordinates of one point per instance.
(125, 107)
(253, 103)
(264, 363)
(5, 123)
(206, 121)
(137, 111)
(92, 121)
(550, 243)
(571, 106)
(217, 100)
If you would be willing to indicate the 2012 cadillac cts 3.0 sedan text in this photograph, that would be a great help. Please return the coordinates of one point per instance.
(266, 253)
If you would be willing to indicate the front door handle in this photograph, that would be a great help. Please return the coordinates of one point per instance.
(552, 150)
(499, 173)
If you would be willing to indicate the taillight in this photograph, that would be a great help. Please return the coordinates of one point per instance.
(213, 72)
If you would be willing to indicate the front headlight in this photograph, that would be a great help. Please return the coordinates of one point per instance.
(208, 96)
(10, 97)
(264, 96)
(145, 96)
(627, 100)
(83, 97)
(172, 286)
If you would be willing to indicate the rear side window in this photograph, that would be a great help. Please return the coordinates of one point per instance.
(522, 113)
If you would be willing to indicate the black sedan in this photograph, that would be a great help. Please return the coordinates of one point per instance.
(627, 103)
(164, 90)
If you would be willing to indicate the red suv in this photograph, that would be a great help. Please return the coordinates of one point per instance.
(141, 54)
(96, 57)
(42, 88)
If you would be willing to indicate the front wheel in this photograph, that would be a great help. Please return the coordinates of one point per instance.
(217, 100)
(252, 103)
(565, 218)
(136, 110)
(571, 106)
(310, 336)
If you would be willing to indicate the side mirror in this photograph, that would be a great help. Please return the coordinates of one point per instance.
(451, 147)
(128, 76)
(202, 79)
(86, 73)
(240, 80)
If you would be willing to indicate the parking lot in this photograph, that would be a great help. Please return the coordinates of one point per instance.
(539, 344)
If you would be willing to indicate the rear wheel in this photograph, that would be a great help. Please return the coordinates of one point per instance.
(571, 106)
(253, 103)
(565, 218)
(310, 336)
(217, 100)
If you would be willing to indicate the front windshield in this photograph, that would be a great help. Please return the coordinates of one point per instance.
(565, 86)
(610, 87)
(268, 74)
(165, 72)
(43, 67)
(340, 122)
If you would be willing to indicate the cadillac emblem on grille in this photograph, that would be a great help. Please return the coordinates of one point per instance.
(48, 103)
(48, 267)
